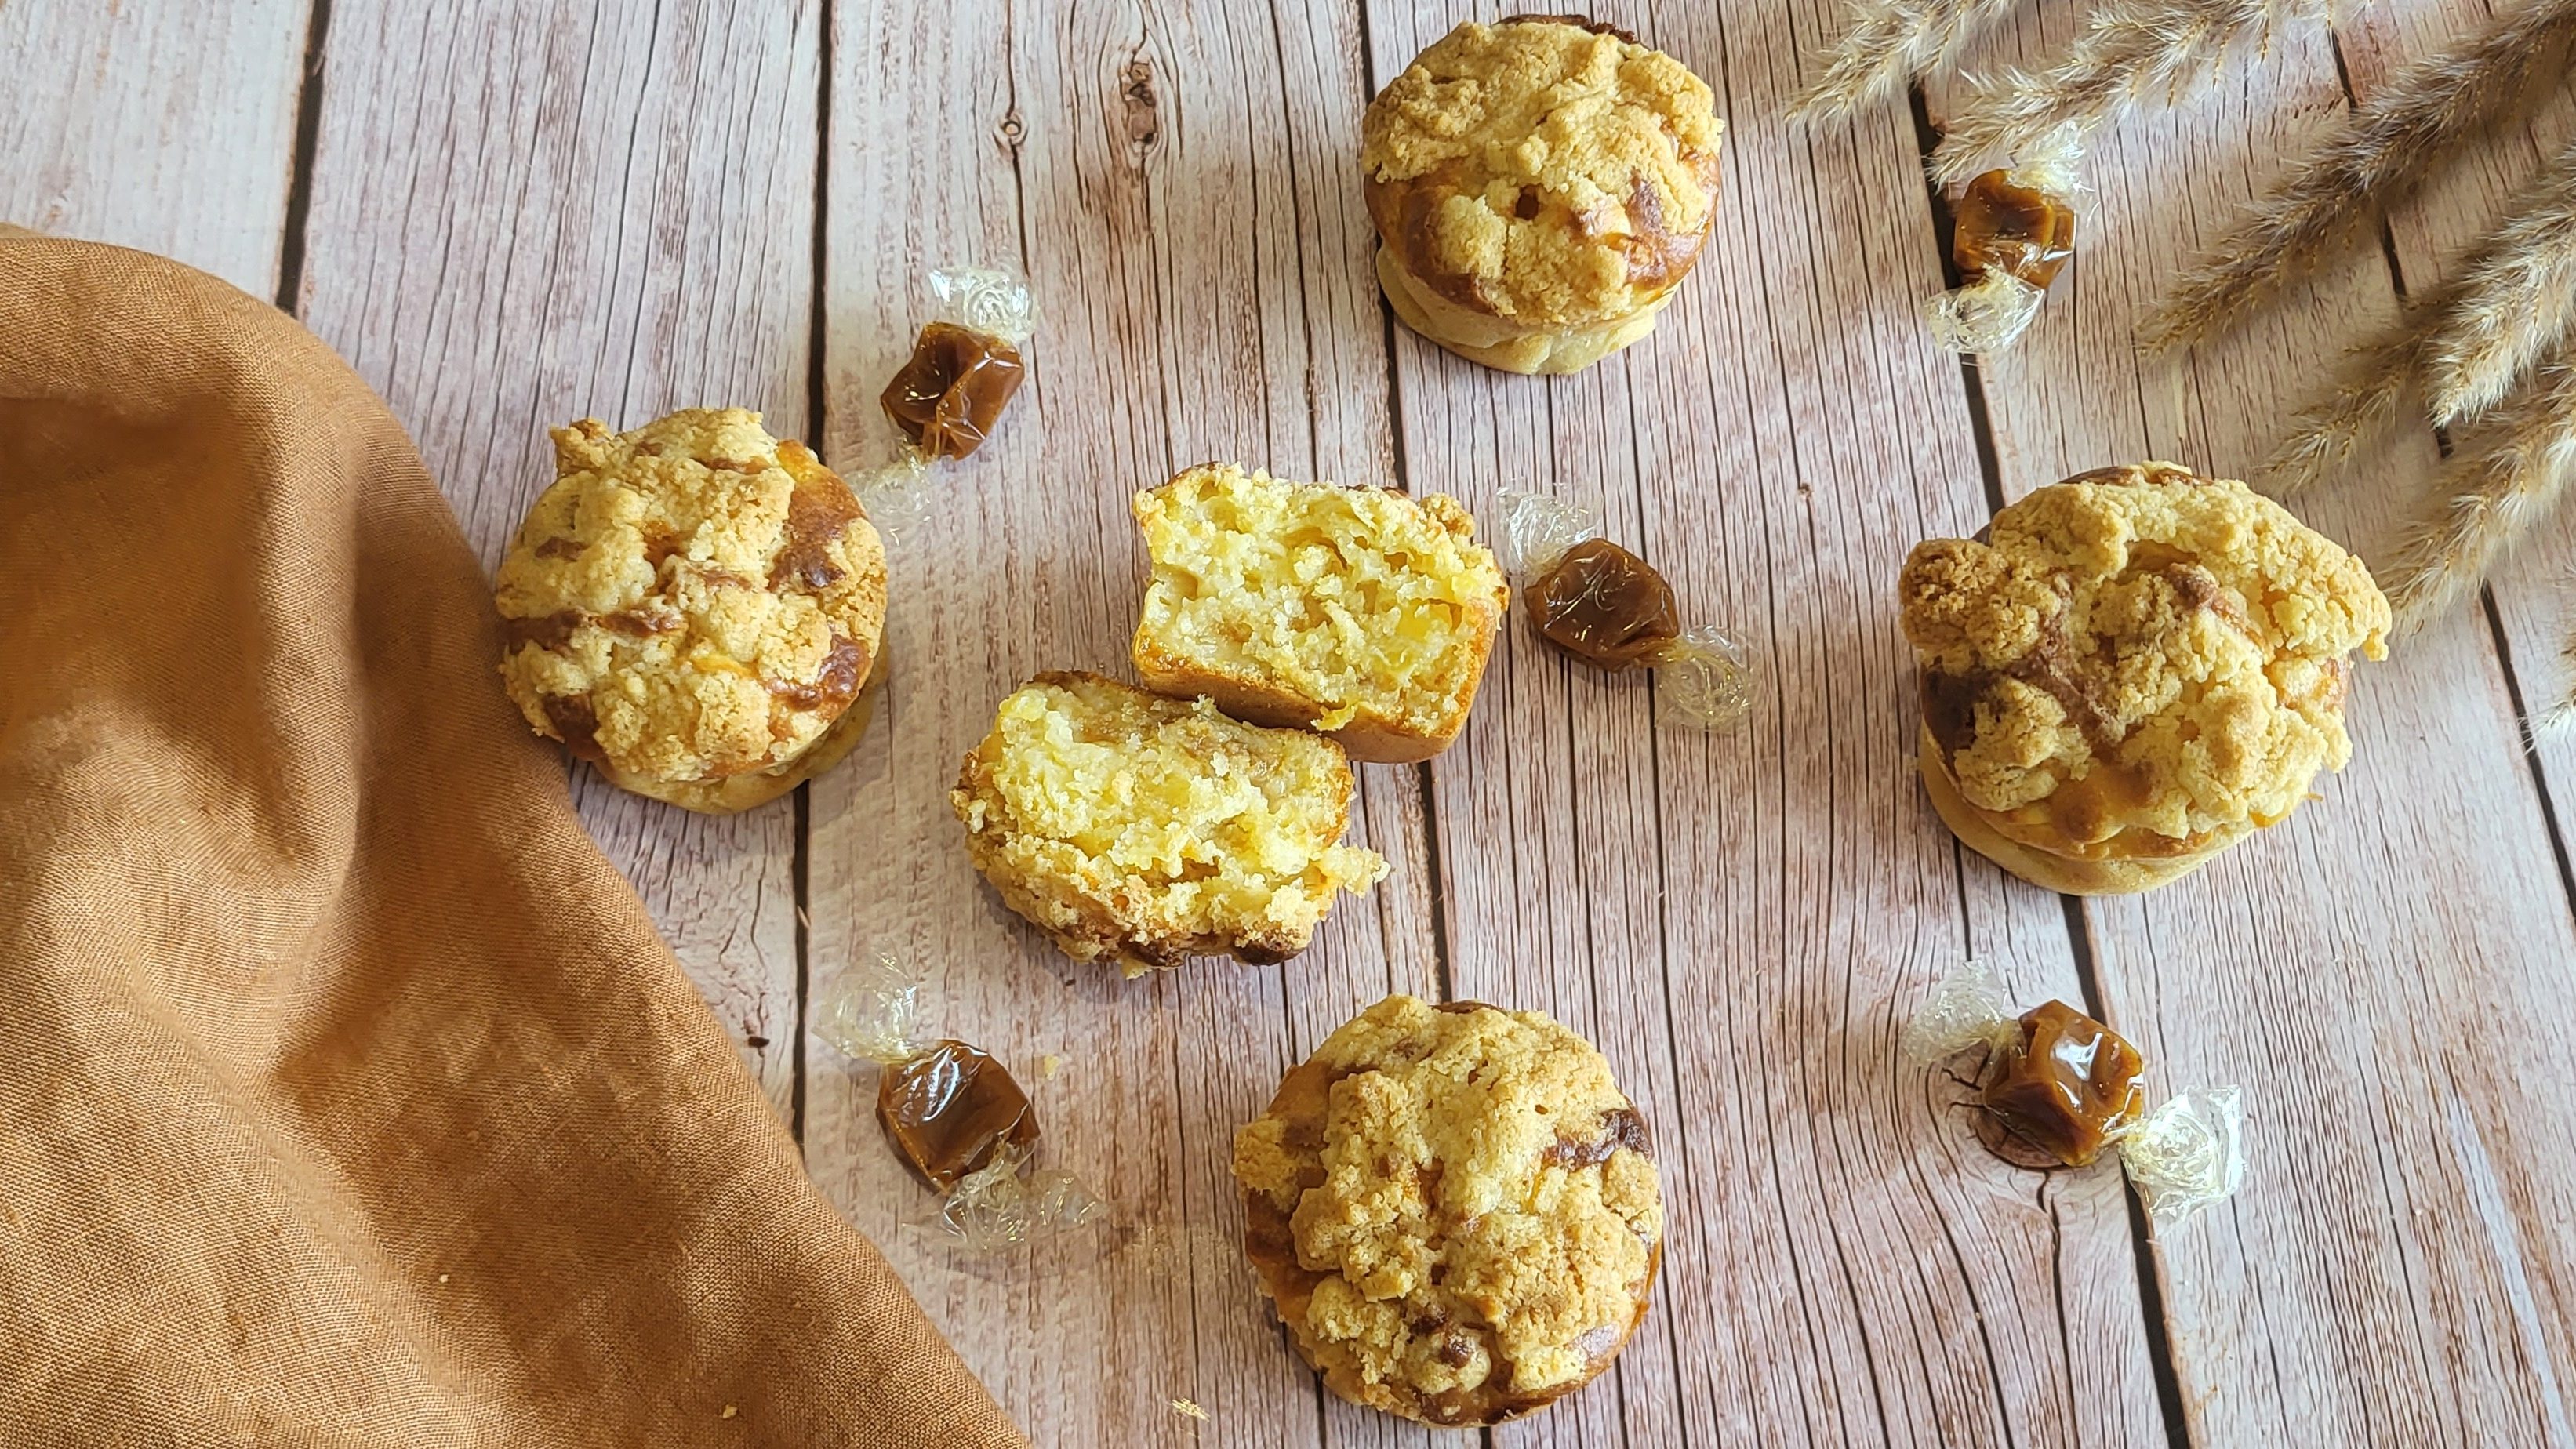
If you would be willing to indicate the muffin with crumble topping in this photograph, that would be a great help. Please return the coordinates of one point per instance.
(1455, 1210)
(1540, 186)
(694, 607)
(2137, 668)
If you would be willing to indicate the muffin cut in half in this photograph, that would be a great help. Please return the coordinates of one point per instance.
(1454, 1209)
(2136, 669)
(1145, 830)
(1360, 612)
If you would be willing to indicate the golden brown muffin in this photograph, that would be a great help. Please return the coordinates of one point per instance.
(2140, 668)
(1454, 1209)
(1145, 830)
(1359, 612)
(1539, 186)
(692, 607)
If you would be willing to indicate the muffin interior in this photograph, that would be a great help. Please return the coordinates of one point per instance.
(1176, 826)
(1366, 602)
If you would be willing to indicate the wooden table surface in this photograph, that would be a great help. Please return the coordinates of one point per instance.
(510, 215)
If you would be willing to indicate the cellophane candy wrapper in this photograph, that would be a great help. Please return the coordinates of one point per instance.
(1982, 316)
(1967, 1008)
(2184, 1155)
(1704, 678)
(873, 1014)
(1537, 530)
(2187, 1154)
(994, 301)
(1008, 1204)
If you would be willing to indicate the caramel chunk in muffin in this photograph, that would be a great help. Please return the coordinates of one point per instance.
(690, 602)
(1546, 172)
(1455, 1210)
(2141, 665)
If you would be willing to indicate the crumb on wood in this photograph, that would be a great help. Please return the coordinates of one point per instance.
(1049, 1065)
(729, 1412)
(442, 1277)
(1189, 1409)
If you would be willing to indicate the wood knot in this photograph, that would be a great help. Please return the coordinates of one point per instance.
(1142, 105)
(1011, 132)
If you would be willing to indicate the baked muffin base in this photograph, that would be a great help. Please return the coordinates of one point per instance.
(1498, 342)
(2067, 874)
(736, 793)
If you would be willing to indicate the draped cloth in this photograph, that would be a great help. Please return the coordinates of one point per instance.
(347, 1095)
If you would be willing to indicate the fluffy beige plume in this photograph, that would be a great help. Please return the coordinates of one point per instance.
(2496, 496)
(2374, 160)
(2357, 408)
(1884, 44)
(2517, 299)
(2130, 50)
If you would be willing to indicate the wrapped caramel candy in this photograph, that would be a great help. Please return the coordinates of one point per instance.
(945, 399)
(955, 1116)
(2015, 229)
(2064, 1086)
(1595, 601)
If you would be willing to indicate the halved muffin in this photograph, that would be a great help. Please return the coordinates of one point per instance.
(1145, 830)
(1359, 612)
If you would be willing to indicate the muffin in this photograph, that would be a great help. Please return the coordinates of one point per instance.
(1539, 186)
(2138, 669)
(1144, 830)
(1360, 612)
(693, 607)
(1454, 1210)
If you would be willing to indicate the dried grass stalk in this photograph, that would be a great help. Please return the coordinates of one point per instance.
(2376, 159)
(2496, 496)
(1886, 43)
(2517, 300)
(2358, 408)
(2130, 50)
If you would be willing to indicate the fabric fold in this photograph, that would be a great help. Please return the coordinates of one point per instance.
(347, 1094)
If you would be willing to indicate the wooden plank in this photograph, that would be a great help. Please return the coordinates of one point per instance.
(1174, 181)
(2397, 1268)
(521, 215)
(165, 127)
(1745, 922)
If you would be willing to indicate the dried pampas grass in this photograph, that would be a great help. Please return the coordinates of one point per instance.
(2469, 346)
(2376, 159)
(1886, 43)
(2495, 497)
(2360, 406)
(2130, 50)
(2516, 302)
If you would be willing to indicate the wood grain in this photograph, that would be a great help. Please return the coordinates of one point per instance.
(519, 214)
(2397, 1268)
(601, 214)
(1745, 922)
(167, 127)
(1174, 182)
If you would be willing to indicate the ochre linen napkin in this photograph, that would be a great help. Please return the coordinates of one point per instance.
(346, 1094)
